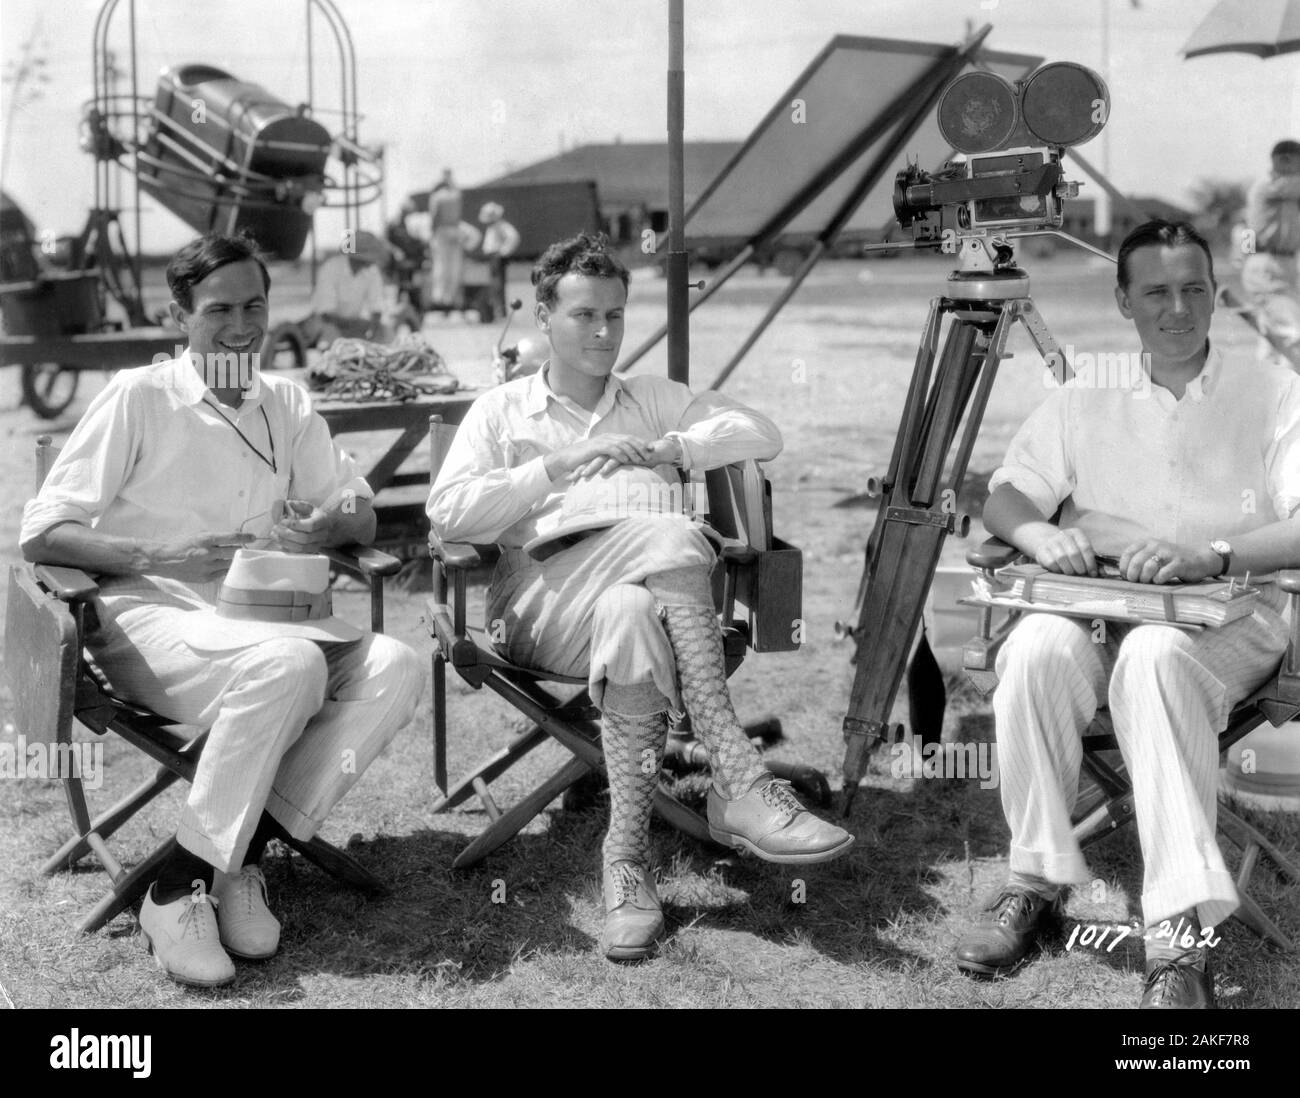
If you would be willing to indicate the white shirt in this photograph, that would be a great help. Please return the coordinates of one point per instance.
(345, 294)
(493, 485)
(1132, 461)
(500, 238)
(152, 458)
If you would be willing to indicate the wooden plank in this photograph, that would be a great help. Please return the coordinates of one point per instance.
(95, 351)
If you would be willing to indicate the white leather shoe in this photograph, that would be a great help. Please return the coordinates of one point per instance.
(185, 941)
(248, 929)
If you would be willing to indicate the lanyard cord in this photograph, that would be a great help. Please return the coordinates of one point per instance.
(270, 463)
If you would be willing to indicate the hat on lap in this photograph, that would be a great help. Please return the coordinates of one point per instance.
(268, 594)
(596, 503)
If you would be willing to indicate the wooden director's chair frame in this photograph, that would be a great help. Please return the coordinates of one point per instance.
(1111, 805)
(767, 579)
(54, 682)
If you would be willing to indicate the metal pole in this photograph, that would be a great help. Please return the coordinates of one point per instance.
(713, 286)
(679, 368)
(133, 258)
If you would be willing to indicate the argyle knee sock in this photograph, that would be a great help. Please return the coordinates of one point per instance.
(701, 672)
(634, 752)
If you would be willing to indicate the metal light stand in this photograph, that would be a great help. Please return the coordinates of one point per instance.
(984, 298)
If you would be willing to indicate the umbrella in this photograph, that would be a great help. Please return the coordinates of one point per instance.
(1265, 28)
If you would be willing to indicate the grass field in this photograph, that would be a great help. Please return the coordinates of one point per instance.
(875, 928)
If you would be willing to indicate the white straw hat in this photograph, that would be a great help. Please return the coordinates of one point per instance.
(593, 503)
(268, 594)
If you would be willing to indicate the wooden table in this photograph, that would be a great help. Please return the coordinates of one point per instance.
(403, 527)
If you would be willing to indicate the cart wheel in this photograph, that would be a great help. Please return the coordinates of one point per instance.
(48, 388)
(284, 348)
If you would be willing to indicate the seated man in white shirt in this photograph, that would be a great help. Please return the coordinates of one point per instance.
(1190, 470)
(628, 605)
(348, 298)
(172, 468)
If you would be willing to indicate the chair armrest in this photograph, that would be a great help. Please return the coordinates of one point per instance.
(735, 551)
(993, 554)
(1289, 580)
(67, 584)
(461, 555)
(364, 561)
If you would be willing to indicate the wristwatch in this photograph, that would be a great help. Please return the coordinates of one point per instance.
(1225, 553)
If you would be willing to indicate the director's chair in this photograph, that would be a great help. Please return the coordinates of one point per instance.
(758, 573)
(1109, 806)
(54, 682)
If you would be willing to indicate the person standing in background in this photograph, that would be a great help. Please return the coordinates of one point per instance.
(500, 242)
(1269, 275)
(445, 244)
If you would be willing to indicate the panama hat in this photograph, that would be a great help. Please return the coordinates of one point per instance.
(595, 503)
(268, 594)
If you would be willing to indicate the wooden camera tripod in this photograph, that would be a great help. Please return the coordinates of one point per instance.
(984, 299)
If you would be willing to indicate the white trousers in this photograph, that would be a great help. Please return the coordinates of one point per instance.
(586, 611)
(445, 250)
(1169, 693)
(292, 723)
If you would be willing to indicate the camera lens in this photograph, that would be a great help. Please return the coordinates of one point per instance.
(1065, 104)
(977, 112)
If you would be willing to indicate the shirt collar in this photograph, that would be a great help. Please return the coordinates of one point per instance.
(539, 392)
(188, 385)
(1202, 385)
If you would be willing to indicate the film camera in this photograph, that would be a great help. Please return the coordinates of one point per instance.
(1013, 136)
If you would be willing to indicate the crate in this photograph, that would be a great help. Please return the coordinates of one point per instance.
(770, 591)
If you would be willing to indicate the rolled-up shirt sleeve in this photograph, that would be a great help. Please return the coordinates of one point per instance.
(715, 430)
(92, 466)
(1038, 463)
(481, 492)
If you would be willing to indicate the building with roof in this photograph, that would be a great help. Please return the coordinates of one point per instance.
(631, 179)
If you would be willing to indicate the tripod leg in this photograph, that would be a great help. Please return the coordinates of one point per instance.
(915, 517)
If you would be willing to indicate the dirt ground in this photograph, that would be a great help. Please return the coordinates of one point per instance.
(833, 372)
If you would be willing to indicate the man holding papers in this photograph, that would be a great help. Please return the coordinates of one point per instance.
(1194, 474)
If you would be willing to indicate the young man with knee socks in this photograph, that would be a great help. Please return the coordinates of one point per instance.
(170, 471)
(629, 605)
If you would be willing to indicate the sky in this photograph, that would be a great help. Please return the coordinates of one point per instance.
(485, 86)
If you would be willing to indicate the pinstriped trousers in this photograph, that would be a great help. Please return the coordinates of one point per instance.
(1169, 692)
(292, 723)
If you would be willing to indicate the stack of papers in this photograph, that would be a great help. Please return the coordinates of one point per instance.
(1032, 587)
